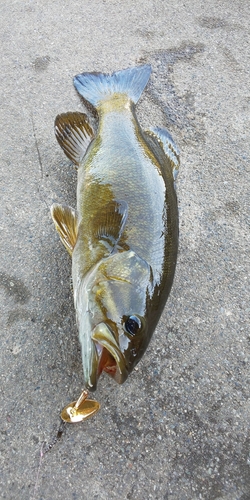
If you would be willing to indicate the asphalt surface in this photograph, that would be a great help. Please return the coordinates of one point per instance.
(178, 429)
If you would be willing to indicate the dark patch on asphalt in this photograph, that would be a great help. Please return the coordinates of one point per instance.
(179, 110)
(41, 63)
(15, 288)
(19, 315)
(216, 23)
(211, 22)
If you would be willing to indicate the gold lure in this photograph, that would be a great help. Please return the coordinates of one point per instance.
(80, 410)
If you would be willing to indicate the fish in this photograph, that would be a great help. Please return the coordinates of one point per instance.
(123, 235)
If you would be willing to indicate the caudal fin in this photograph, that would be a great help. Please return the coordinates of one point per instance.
(96, 87)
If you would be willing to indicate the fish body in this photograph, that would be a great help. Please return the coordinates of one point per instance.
(123, 238)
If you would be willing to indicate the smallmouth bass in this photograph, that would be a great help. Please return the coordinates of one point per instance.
(123, 237)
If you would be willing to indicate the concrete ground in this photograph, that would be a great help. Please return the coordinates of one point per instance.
(178, 429)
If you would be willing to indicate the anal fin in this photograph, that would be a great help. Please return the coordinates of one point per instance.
(74, 134)
(65, 221)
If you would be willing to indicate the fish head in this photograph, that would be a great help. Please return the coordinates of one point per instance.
(117, 298)
(123, 287)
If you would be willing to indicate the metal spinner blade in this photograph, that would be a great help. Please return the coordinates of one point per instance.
(80, 410)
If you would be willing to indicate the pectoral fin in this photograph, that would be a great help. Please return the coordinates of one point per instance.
(109, 224)
(74, 135)
(166, 142)
(65, 220)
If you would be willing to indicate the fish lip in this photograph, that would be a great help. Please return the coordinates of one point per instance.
(92, 379)
(103, 335)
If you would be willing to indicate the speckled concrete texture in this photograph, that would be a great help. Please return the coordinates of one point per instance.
(178, 429)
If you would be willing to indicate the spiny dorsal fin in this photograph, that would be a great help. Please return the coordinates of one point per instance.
(168, 145)
(74, 135)
(109, 224)
(65, 221)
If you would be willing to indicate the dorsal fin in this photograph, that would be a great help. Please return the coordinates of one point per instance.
(165, 140)
(74, 134)
(65, 221)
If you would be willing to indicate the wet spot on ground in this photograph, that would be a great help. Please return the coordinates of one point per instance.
(41, 63)
(15, 288)
(179, 110)
(211, 22)
(19, 315)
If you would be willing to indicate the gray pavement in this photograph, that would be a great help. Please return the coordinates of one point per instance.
(178, 429)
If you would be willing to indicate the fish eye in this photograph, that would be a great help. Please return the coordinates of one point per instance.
(132, 325)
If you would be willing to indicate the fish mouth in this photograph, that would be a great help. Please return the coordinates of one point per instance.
(111, 359)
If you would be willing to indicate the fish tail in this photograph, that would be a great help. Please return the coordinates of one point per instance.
(95, 87)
